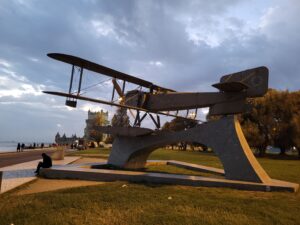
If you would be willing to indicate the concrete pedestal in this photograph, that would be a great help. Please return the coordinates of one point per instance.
(224, 136)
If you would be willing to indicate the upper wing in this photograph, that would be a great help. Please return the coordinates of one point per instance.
(76, 61)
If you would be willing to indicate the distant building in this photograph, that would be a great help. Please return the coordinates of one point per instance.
(95, 119)
(64, 140)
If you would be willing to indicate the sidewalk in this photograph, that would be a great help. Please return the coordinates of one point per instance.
(18, 174)
(10, 159)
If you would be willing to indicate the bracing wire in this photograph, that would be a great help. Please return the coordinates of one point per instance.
(93, 85)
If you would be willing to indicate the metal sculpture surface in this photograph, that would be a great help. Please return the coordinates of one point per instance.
(224, 136)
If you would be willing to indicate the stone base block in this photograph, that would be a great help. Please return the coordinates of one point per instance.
(84, 172)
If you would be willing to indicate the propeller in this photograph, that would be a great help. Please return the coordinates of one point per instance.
(121, 94)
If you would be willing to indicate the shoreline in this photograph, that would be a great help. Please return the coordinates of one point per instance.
(7, 151)
(26, 150)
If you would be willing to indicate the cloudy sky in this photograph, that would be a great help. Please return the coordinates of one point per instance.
(184, 45)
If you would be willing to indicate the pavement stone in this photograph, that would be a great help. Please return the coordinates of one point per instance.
(18, 174)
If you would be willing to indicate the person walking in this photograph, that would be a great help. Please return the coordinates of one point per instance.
(22, 147)
(19, 147)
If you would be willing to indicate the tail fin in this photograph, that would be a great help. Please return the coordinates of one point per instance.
(253, 81)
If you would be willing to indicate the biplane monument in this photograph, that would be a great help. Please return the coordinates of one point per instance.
(133, 145)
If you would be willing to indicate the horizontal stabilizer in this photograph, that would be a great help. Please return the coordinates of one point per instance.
(233, 86)
(125, 131)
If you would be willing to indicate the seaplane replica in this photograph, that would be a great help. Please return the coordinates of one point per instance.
(133, 145)
(233, 90)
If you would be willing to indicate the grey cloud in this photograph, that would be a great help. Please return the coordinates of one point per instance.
(141, 32)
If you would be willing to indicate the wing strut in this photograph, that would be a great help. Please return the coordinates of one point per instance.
(113, 94)
(71, 81)
(80, 80)
(123, 87)
(155, 121)
(137, 119)
(143, 117)
(187, 113)
(196, 112)
(72, 102)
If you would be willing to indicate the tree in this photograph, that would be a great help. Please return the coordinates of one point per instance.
(178, 124)
(95, 135)
(120, 119)
(272, 121)
(260, 123)
(253, 136)
(295, 122)
(97, 120)
(296, 132)
(109, 139)
(283, 111)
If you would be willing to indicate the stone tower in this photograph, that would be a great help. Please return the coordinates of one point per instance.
(95, 119)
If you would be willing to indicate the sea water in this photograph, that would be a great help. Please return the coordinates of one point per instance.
(8, 146)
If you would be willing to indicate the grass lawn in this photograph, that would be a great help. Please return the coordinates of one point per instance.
(114, 203)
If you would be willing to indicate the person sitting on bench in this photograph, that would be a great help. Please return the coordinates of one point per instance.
(47, 163)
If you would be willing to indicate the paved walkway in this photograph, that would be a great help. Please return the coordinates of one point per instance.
(18, 174)
(7, 159)
(86, 172)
